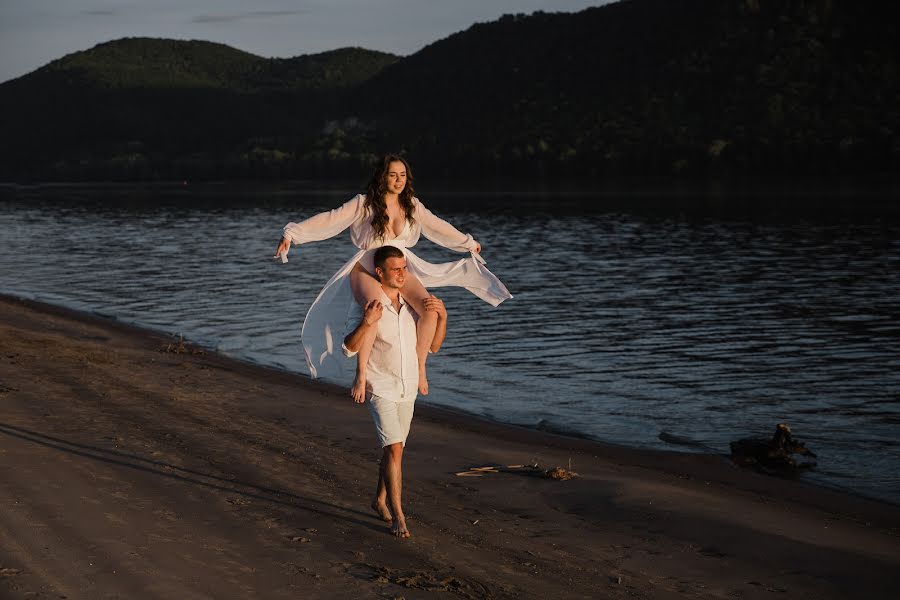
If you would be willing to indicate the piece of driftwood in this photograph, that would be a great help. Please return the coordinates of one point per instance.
(775, 455)
(479, 471)
(181, 348)
(558, 473)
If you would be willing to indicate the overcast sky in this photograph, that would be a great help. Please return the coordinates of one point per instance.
(34, 32)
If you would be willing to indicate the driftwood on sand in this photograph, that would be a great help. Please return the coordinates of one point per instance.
(558, 473)
(774, 455)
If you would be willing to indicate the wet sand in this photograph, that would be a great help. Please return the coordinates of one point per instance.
(129, 471)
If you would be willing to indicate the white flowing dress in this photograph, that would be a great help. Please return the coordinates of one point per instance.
(324, 326)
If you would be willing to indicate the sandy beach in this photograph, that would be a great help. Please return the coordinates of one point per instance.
(130, 470)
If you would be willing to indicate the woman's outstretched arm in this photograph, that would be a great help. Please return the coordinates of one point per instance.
(443, 233)
(323, 225)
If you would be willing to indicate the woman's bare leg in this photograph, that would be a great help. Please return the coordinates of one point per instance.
(365, 289)
(415, 293)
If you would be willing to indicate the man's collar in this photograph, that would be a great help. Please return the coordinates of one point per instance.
(386, 300)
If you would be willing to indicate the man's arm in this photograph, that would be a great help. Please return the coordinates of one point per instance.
(371, 316)
(437, 305)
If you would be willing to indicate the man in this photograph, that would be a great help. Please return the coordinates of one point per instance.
(393, 374)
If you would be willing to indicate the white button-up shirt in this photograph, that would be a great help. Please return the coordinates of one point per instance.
(393, 371)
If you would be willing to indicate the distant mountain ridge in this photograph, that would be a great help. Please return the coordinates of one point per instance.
(148, 62)
(160, 63)
(689, 87)
(661, 87)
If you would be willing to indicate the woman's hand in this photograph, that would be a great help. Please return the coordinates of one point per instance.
(477, 248)
(283, 247)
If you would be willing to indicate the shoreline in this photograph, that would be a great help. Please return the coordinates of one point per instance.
(725, 472)
(199, 475)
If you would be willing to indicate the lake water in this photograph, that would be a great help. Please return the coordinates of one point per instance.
(634, 315)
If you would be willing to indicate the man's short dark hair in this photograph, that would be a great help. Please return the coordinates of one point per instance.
(386, 252)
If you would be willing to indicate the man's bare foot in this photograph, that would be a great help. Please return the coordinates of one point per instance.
(358, 389)
(399, 528)
(382, 511)
(423, 382)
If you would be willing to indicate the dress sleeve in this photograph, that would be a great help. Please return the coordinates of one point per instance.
(325, 225)
(443, 233)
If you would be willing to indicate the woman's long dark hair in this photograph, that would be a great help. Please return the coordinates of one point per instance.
(377, 190)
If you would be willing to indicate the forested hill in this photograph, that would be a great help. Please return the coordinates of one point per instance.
(141, 108)
(143, 63)
(693, 87)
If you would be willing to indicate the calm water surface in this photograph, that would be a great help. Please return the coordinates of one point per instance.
(625, 323)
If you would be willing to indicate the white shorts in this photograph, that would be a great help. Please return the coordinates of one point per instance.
(392, 419)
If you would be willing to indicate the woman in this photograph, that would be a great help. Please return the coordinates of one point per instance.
(389, 213)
